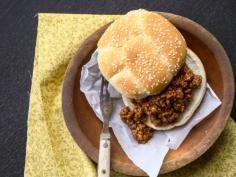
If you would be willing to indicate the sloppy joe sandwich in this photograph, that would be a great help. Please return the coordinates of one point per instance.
(146, 59)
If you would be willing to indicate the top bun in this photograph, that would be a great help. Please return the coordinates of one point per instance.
(140, 53)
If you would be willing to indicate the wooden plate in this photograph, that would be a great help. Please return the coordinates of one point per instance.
(85, 127)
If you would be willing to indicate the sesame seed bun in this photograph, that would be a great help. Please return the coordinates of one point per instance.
(140, 53)
(196, 66)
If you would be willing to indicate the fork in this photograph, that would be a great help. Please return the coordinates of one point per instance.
(104, 147)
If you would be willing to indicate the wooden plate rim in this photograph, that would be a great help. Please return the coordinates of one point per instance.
(130, 169)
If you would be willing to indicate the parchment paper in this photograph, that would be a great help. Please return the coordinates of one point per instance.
(149, 157)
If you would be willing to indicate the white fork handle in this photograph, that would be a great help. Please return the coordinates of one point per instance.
(104, 157)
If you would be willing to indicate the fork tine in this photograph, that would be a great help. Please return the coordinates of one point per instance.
(102, 86)
(105, 82)
(107, 95)
(104, 94)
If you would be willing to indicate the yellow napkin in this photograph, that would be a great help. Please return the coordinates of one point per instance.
(51, 151)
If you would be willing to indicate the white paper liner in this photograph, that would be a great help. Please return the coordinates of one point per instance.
(149, 156)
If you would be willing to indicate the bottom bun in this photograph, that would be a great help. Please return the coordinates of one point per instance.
(195, 64)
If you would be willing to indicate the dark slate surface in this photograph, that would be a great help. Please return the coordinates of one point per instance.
(18, 26)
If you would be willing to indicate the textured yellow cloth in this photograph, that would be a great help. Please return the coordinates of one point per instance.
(51, 151)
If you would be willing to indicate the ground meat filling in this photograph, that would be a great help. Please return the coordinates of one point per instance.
(163, 109)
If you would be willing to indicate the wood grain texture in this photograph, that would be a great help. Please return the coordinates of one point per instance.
(81, 119)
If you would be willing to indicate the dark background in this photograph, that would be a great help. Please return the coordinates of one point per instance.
(18, 27)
